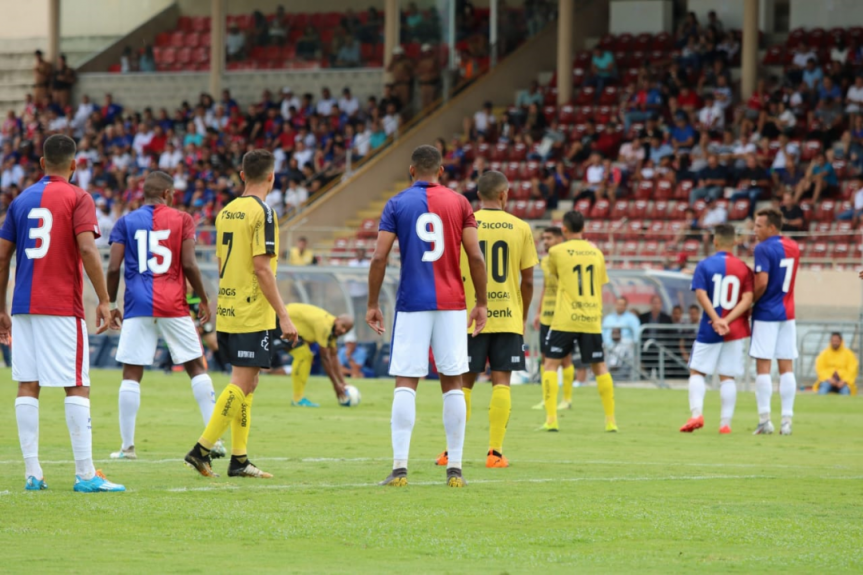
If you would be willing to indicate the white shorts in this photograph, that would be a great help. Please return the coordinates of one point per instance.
(773, 340)
(414, 332)
(723, 358)
(53, 350)
(139, 337)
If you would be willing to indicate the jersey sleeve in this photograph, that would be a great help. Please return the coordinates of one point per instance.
(324, 332)
(603, 278)
(699, 279)
(84, 215)
(528, 251)
(188, 227)
(552, 266)
(118, 233)
(264, 232)
(388, 218)
(469, 220)
(9, 231)
(747, 282)
(762, 259)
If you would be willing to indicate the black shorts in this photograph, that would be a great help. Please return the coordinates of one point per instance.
(253, 349)
(543, 347)
(503, 351)
(561, 344)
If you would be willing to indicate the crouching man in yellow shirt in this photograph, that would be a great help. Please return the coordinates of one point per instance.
(836, 367)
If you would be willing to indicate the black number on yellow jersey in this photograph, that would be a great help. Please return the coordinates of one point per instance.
(227, 240)
(587, 270)
(499, 265)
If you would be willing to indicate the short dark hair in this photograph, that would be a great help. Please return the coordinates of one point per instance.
(680, 307)
(490, 184)
(774, 217)
(156, 183)
(624, 298)
(694, 307)
(836, 334)
(257, 165)
(725, 233)
(553, 230)
(59, 151)
(574, 221)
(426, 160)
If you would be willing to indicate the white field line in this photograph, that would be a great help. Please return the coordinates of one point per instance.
(533, 461)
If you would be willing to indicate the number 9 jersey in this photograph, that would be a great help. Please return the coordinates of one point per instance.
(153, 237)
(428, 220)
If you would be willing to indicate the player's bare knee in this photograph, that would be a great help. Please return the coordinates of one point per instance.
(450, 383)
(501, 377)
(133, 372)
(551, 364)
(694, 372)
(78, 391)
(599, 368)
(29, 389)
(195, 367)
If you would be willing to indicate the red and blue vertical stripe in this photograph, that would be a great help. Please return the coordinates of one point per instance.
(779, 258)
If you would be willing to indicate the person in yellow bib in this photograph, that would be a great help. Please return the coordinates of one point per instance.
(316, 325)
(579, 267)
(510, 255)
(551, 237)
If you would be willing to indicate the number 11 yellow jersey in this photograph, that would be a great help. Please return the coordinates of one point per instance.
(580, 270)
(507, 245)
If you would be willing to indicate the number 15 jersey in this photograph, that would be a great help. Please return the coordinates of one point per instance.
(580, 270)
(43, 223)
(428, 220)
(153, 238)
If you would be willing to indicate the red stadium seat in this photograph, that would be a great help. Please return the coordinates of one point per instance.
(201, 24)
(518, 152)
(841, 251)
(629, 248)
(664, 190)
(368, 229)
(691, 247)
(193, 40)
(658, 210)
(201, 55)
(819, 250)
(845, 232)
(163, 39)
(634, 229)
(578, 75)
(810, 148)
(610, 96)
(657, 230)
(583, 206)
(650, 248)
(567, 114)
(530, 170)
(536, 210)
(178, 39)
(682, 191)
(644, 191)
(341, 245)
(512, 170)
(585, 96)
(825, 211)
(643, 42)
(775, 56)
(621, 207)
(483, 150)
(821, 231)
(500, 152)
(600, 210)
(841, 169)
(518, 208)
(550, 112)
(739, 211)
(596, 231)
(638, 209)
(678, 210)
(169, 56)
(699, 207)
(623, 43)
(184, 23)
(662, 41)
(184, 55)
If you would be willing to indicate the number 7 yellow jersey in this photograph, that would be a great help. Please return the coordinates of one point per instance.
(245, 228)
(580, 270)
(508, 247)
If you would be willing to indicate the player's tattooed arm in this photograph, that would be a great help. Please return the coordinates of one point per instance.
(118, 252)
(93, 266)
(377, 271)
(7, 248)
(479, 314)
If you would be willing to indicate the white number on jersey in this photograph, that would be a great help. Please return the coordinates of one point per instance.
(726, 291)
(42, 232)
(788, 264)
(433, 235)
(151, 240)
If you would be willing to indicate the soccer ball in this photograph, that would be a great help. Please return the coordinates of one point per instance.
(352, 396)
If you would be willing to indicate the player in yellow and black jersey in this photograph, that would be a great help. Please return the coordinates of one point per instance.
(579, 267)
(510, 255)
(552, 236)
(247, 237)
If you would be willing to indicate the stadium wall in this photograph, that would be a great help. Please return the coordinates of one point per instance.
(833, 13)
(639, 16)
(731, 13)
(168, 90)
(202, 7)
(78, 17)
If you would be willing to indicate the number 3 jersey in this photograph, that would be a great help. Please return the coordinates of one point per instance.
(428, 220)
(507, 245)
(778, 257)
(725, 279)
(43, 223)
(153, 238)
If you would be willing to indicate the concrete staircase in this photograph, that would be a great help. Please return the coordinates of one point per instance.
(17, 61)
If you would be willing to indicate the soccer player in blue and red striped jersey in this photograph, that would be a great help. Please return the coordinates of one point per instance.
(723, 287)
(156, 243)
(431, 223)
(774, 332)
(51, 228)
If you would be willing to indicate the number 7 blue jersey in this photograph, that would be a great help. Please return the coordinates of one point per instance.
(428, 220)
(778, 257)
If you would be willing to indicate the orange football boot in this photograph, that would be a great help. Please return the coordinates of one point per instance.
(495, 460)
(725, 430)
(693, 424)
(442, 460)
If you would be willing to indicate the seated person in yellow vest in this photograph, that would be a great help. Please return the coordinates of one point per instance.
(301, 255)
(510, 255)
(836, 367)
(316, 325)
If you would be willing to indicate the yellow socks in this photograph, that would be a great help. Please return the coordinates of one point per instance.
(568, 378)
(226, 409)
(549, 394)
(605, 386)
(467, 391)
(240, 428)
(300, 370)
(498, 416)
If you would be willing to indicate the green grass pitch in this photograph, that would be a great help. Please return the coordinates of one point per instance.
(648, 499)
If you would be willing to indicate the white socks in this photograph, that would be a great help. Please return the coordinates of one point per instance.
(130, 402)
(403, 417)
(27, 414)
(763, 393)
(202, 389)
(787, 391)
(78, 422)
(696, 394)
(454, 418)
(728, 395)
